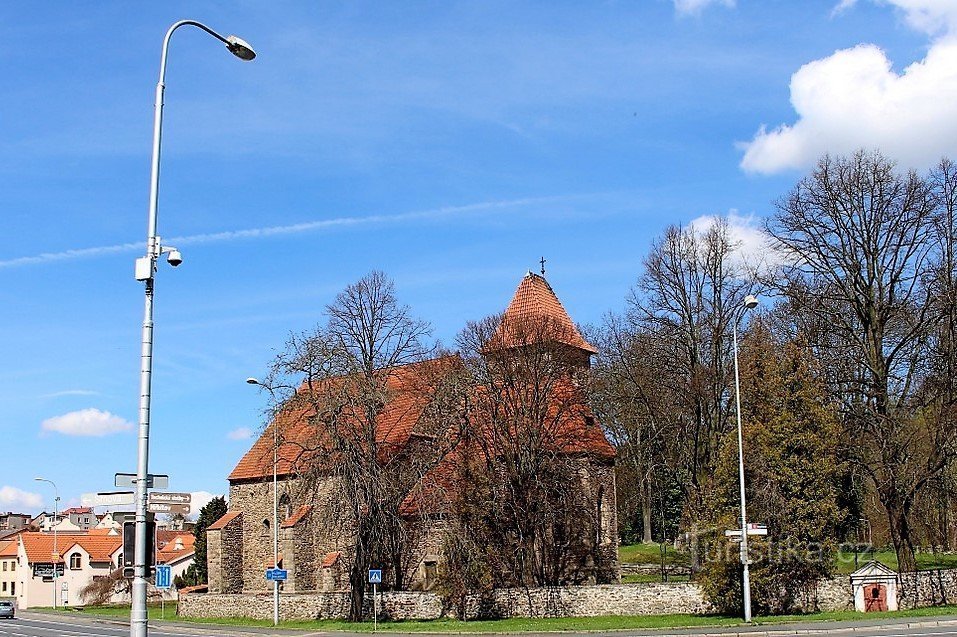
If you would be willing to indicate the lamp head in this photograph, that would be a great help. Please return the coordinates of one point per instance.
(750, 302)
(240, 48)
(253, 381)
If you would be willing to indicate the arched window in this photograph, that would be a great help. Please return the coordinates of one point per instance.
(266, 523)
(285, 506)
(599, 522)
(76, 561)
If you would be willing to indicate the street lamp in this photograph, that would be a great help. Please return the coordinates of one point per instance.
(275, 506)
(750, 302)
(56, 553)
(145, 271)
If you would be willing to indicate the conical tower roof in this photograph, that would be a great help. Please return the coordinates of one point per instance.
(535, 301)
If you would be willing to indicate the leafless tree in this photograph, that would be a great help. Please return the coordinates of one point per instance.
(378, 411)
(532, 449)
(693, 283)
(865, 253)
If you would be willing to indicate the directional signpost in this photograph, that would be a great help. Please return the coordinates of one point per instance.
(158, 502)
(276, 574)
(108, 498)
(734, 535)
(152, 481)
(375, 578)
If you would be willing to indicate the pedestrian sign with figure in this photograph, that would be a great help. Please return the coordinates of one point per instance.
(375, 576)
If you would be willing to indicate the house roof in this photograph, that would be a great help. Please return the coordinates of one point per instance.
(535, 305)
(8, 548)
(77, 511)
(39, 546)
(223, 521)
(169, 553)
(874, 569)
(330, 559)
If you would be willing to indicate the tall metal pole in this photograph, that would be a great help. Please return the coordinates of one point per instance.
(138, 612)
(56, 552)
(749, 302)
(746, 576)
(275, 521)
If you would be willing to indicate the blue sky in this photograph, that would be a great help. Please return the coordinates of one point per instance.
(449, 144)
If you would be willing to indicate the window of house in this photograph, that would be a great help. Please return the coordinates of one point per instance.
(75, 561)
(4, 566)
(4, 587)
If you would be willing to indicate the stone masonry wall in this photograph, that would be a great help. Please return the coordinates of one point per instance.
(927, 588)
(610, 599)
(224, 548)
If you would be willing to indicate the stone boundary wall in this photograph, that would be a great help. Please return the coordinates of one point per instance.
(924, 588)
(584, 601)
(927, 588)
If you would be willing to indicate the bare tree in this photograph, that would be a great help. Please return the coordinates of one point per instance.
(376, 409)
(861, 239)
(535, 500)
(685, 300)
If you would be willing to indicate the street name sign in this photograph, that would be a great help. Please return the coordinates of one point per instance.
(170, 498)
(162, 507)
(152, 481)
(164, 574)
(107, 498)
(375, 576)
(276, 574)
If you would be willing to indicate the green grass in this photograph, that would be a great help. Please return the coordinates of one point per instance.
(537, 625)
(925, 561)
(649, 554)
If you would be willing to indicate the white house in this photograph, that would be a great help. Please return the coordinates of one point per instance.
(78, 557)
(177, 550)
(875, 588)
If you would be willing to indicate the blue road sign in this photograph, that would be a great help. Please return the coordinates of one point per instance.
(164, 576)
(277, 574)
(375, 576)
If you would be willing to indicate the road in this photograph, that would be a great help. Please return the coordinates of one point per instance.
(29, 624)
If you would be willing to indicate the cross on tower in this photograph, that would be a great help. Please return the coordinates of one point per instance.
(542, 261)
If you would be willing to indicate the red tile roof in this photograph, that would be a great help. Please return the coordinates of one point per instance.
(330, 559)
(77, 511)
(8, 548)
(169, 553)
(298, 446)
(39, 546)
(535, 307)
(223, 521)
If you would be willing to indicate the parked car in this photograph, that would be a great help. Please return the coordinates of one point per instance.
(7, 609)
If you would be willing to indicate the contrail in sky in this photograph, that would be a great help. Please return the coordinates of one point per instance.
(272, 231)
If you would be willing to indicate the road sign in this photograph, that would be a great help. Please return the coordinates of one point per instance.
(170, 498)
(152, 481)
(757, 529)
(276, 574)
(161, 507)
(375, 576)
(108, 498)
(164, 573)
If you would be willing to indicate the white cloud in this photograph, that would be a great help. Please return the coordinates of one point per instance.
(198, 501)
(70, 392)
(695, 7)
(86, 422)
(17, 500)
(242, 433)
(855, 99)
(754, 246)
(273, 231)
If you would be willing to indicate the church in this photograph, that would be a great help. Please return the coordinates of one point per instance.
(317, 550)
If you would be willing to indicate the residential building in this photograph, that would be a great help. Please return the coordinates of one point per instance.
(10, 521)
(8, 568)
(82, 517)
(316, 547)
(78, 558)
(176, 549)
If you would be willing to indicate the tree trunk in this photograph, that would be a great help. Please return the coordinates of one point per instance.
(646, 512)
(898, 518)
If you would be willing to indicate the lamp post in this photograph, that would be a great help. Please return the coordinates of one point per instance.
(275, 506)
(750, 301)
(145, 271)
(56, 552)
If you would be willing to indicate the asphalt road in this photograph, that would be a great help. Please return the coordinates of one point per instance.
(28, 624)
